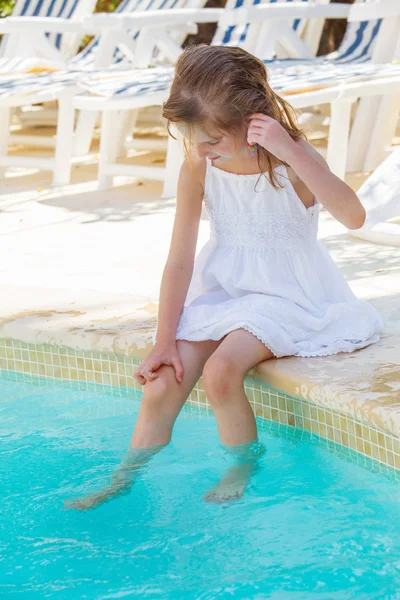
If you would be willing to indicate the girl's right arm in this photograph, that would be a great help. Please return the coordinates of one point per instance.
(177, 271)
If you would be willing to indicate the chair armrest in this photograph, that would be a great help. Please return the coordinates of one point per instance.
(46, 24)
(293, 10)
(4, 26)
(374, 10)
(102, 22)
(171, 17)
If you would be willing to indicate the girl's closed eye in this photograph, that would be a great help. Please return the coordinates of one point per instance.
(214, 143)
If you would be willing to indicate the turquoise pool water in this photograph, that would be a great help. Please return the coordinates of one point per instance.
(312, 525)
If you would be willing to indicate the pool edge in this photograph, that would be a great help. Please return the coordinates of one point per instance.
(92, 366)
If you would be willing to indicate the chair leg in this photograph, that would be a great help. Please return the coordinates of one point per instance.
(64, 140)
(108, 148)
(84, 132)
(361, 132)
(5, 120)
(126, 124)
(175, 157)
(380, 196)
(383, 132)
(339, 136)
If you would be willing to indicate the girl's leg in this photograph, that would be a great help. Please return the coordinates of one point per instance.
(223, 380)
(161, 403)
(164, 397)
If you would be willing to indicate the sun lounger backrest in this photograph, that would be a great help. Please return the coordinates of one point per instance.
(87, 57)
(359, 39)
(235, 35)
(66, 9)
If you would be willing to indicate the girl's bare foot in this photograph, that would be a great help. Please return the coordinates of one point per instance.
(232, 485)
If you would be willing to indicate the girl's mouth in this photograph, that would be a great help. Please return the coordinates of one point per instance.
(214, 158)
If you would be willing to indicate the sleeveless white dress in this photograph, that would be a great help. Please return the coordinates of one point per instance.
(264, 270)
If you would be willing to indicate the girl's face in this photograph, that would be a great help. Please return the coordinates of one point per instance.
(219, 148)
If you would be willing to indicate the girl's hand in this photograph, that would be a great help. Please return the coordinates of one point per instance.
(270, 134)
(161, 354)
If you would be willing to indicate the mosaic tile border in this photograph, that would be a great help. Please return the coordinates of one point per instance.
(67, 364)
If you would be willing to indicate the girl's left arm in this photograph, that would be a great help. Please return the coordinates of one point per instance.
(337, 197)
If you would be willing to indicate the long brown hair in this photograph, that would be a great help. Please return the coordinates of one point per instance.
(217, 87)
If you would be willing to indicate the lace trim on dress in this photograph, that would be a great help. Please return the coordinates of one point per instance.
(257, 230)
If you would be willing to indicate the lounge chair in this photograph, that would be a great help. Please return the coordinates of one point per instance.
(335, 83)
(117, 45)
(34, 40)
(380, 195)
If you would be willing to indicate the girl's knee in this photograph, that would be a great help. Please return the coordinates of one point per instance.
(220, 377)
(157, 391)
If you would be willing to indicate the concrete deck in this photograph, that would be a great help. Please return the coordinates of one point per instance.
(82, 268)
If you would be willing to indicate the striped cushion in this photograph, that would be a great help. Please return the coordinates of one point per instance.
(232, 35)
(85, 60)
(287, 80)
(47, 8)
(138, 82)
(235, 35)
(135, 82)
(357, 45)
(20, 66)
(32, 84)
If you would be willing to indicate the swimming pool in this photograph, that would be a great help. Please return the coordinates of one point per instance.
(312, 524)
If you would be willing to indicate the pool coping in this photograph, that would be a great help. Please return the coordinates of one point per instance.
(326, 412)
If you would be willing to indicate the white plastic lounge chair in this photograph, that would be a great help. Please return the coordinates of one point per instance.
(368, 136)
(151, 88)
(119, 47)
(34, 40)
(21, 89)
(380, 195)
(237, 32)
(303, 82)
(273, 24)
(376, 119)
(116, 45)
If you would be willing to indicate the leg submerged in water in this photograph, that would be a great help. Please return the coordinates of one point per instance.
(162, 401)
(223, 379)
(234, 482)
(121, 481)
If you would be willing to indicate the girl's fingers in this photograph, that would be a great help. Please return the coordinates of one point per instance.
(178, 367)
(148, 374)
(254, 138)
(257, 123)
(261, 117)
(139, 377)
(143, 374)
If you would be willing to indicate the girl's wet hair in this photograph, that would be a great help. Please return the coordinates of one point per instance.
(217, 87)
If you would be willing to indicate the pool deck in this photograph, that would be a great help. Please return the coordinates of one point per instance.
(81, 268)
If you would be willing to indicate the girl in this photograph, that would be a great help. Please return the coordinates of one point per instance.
(263, 286)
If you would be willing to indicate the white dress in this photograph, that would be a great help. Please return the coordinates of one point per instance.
(264, 270)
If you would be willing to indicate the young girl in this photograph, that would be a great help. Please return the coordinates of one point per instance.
(263, 286)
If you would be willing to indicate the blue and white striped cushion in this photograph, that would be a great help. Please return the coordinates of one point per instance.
(85, 60)
(135, 82)
(47, 8)
(296, 78)
(357, 45)
(287, 80)
(235, 35)
(20, 66)
(232, 35)
(358, 42)
(32, 84)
